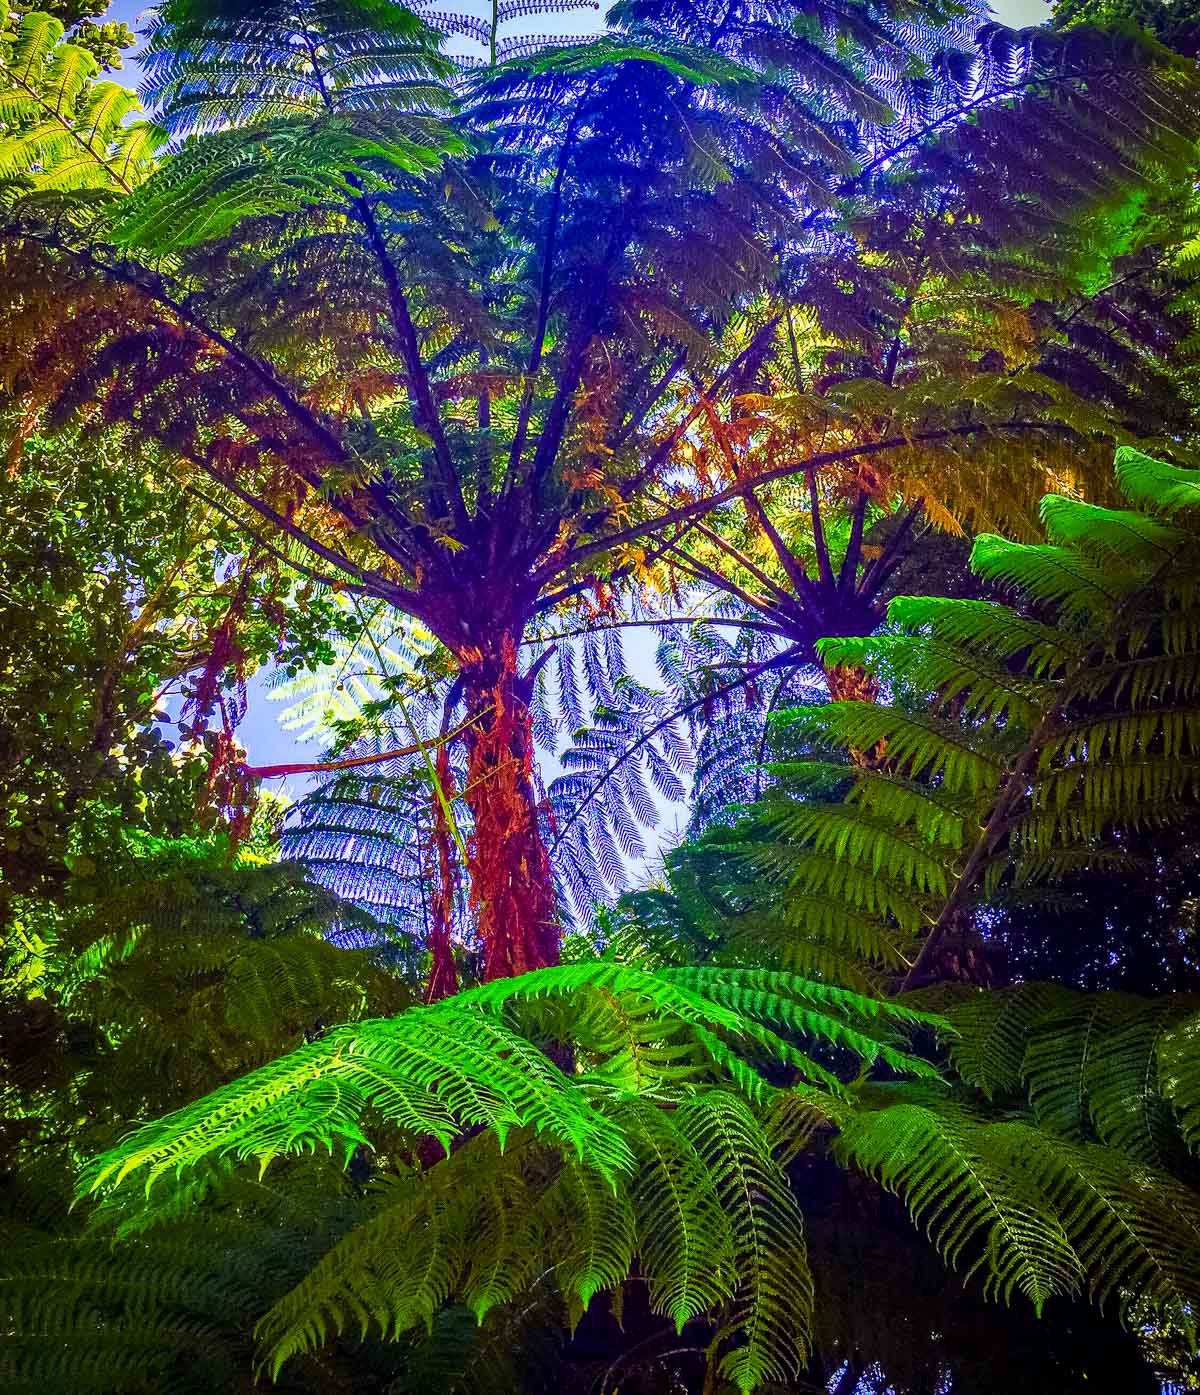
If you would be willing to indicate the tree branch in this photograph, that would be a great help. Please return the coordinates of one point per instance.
(334, 581)
(648, 402)
(547, 277)
(881, 568)
(849, 569)
(263, 372)
(661, 452)
(275, 772)
(371, 584)
(730, 550)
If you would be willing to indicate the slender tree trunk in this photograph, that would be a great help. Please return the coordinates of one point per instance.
(443, 975)
(512, 891)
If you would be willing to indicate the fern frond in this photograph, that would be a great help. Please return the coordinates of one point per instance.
(980, 1212)
(772, 1306)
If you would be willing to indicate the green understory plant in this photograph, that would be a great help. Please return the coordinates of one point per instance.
(695, 1129)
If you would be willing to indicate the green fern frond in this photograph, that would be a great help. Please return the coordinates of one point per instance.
(1179, 1075)
(1155, 485)
(981, 1213)
(392, 1274)
(436, 1069)
(991, 1030)
(1136, 1230)
(772, 1306)
(684, 1235)
(62, 129)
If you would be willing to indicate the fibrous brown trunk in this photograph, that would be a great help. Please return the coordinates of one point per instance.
(850, 684)
(512, 890)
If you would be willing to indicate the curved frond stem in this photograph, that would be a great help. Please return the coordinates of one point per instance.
(143, 280)
(652, 624)
(740, 557)
(661, 453)
(791, 565)
(849, 569)
(824, 567)
(56, 114)
(275, 772)
(881, 568)
(338, 582)
(703, 572)
(370, 583)
(547, 278)
(747, 676)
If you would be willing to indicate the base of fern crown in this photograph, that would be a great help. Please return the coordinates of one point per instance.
(512, 887)
(850, 684)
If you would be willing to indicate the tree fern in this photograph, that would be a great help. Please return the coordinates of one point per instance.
(772, 1305)
(459, 372)
(977, 1211)
(955, 815)
(1017, 743)
(710, 1218)
(1032, 1212)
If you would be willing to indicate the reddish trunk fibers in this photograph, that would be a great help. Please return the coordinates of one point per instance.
(443, 976)
(849, 684)
(512, 891)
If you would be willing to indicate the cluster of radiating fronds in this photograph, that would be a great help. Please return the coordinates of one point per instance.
(1084, 1115)
(450, 337)
(667, 1114)
(940, 321)
(574, 1172)
(1017, 746)
(184, 972)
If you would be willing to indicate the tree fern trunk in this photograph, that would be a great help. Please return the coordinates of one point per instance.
(512, 891)
(849, 684)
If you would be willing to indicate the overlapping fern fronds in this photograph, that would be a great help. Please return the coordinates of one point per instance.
(1020, 741)
(180, 975)
(1018, 745)
(600, 1113)
(181, 972)
(1081, 1111)
(653, 1145)
(62, 130)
